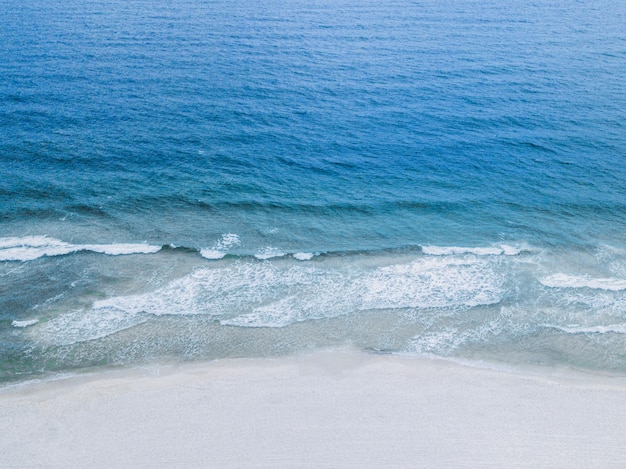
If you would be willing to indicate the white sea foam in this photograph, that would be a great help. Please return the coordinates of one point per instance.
(437, 342)
(478, 251)
(28, 248)
(266, 294)
(576, 329)
(22, 324)
(221, 247)
(80, 326)
(119, 249)
(303, 256)
(432, 282)
(269, 252)
(510, 250)
(448, 339)
(423, 283)
(31, 247)
(212, 254)
(580, 281)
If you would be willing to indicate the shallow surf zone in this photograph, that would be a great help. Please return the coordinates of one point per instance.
(520, 305)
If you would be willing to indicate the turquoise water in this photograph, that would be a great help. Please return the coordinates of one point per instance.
(205, 179)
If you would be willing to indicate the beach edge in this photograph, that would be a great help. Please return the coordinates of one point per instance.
(339, 408)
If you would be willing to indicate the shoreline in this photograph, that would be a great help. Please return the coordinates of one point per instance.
(327, 409)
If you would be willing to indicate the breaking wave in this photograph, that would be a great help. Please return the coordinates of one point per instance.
(28, 248)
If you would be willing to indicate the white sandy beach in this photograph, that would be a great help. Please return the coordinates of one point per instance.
(329, 409)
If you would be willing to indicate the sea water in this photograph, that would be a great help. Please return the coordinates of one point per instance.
(203, 179)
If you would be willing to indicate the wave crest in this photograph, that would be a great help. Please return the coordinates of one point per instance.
(28, 248)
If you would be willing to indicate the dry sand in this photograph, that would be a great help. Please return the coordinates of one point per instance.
(330, 409)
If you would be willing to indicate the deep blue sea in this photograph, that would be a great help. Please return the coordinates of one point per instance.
(201, 179)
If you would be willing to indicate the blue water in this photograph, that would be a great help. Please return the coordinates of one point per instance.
(205, 179)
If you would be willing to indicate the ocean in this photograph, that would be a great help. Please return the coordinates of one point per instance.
(203, 179)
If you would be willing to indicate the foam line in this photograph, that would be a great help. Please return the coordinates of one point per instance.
(22, 324)
(478, 251)
(28, 248)
(576, 329)
(268, 253)
(580, 281)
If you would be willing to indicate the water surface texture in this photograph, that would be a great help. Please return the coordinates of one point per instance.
(205, 179)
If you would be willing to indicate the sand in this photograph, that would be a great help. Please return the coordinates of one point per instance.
(330, 409)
